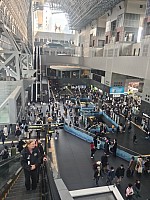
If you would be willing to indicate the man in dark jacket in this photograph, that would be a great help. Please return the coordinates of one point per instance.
(18, 132)
(20, 145)
(104, 160)
(30, 160)
(106, 147)
(120, 174)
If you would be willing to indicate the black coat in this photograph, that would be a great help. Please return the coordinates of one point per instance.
(104, 160)
(120, 172)
(20, 145)
(28, 159)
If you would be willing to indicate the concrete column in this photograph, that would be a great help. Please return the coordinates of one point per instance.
(12, 111)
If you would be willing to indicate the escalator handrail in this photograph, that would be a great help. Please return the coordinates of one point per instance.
(8, 160)
(48, 188)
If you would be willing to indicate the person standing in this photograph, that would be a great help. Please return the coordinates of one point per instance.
(20, 145)
(137, 188)
(30, 160)
(120, 174)
(114, 148)
(39, 146)
(129, 192)
(106, 147)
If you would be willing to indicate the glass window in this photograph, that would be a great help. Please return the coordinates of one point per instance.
(75, 74)
(66, 74)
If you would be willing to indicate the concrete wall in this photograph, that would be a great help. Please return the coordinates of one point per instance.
(126, 65)
(133, 7)
(59, 60)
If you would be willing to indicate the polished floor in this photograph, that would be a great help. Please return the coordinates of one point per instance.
(75, 165)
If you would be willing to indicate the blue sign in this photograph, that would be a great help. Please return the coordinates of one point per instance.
(117, 90)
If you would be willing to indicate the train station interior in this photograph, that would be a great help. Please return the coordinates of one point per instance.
(75, 79)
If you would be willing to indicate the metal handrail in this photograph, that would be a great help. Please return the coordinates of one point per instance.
(48, 187)
(8, 160)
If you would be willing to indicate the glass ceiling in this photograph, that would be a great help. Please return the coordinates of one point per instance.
(82, 12)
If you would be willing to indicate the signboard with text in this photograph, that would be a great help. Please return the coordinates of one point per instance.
(117, 90)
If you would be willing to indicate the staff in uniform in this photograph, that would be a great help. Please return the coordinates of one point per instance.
(30, 160)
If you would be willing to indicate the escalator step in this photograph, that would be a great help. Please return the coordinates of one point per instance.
(23, 195)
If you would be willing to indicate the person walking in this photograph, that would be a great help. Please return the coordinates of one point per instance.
(129, 126)
(132, 165)
(110, 176)
(92, 147)
(139, 166)
(18, 132)
(97, 171)
(3, 138)
(119, 174)
(104, 160)
(95, 141)
(5, 131)
(30, 160)
(134, 139)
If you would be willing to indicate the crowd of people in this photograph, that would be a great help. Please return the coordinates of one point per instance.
(102, 169)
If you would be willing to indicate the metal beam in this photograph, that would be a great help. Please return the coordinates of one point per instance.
(83, 12)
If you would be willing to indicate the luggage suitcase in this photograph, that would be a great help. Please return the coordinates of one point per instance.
(128, 173)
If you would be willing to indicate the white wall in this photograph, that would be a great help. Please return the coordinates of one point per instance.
(115, 12)
(101, 22)
(134, 6)
(127, 65)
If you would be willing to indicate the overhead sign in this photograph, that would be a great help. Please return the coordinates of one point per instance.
(117, 90)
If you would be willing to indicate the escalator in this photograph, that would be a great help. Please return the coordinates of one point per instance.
(12, 182)
(18, 190)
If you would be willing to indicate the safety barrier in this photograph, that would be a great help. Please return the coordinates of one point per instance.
(78, 134)
(120, 153)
